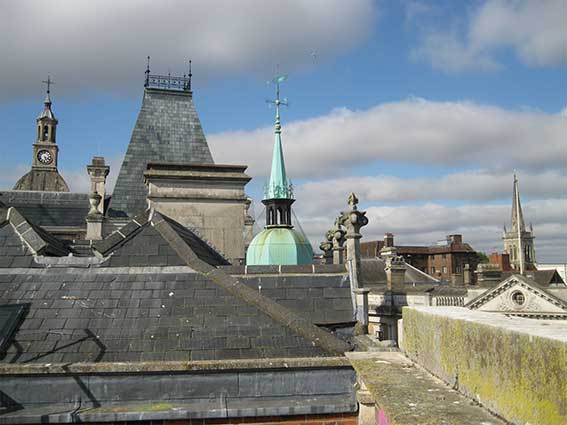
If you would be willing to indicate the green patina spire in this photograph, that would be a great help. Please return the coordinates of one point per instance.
(278, 186)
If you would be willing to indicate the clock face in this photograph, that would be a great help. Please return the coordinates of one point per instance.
(45, 157)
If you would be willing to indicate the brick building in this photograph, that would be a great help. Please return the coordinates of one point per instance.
(448, 261)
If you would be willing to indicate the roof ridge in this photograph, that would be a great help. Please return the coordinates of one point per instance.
(276, 311)
(37, 239)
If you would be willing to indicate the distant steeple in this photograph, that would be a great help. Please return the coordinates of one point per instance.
(517, 209)
(519, 242)
(278, 187)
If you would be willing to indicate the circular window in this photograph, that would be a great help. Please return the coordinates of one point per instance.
(519, 298)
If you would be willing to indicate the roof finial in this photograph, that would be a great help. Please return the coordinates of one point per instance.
(147, 83)
(190, 75)
(48, 82)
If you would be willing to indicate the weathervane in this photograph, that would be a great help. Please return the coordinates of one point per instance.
(277, 80)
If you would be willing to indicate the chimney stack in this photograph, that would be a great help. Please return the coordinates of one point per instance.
(388, 240)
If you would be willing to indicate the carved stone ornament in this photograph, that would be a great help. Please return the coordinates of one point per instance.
(94, 201)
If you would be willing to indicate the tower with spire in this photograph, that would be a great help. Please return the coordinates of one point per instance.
(44, 175)
(518, 241)
(279, 243)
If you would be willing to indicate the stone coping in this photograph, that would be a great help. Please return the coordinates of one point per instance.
(556, 330)
(174, 366)
(405, 394)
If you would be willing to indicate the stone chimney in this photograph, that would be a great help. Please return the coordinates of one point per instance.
(388, 240)
(456, 239)
(395, 271)
(353, 220)
(98, 171)
(467, 274)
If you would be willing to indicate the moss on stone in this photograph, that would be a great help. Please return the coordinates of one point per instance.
(519, 376)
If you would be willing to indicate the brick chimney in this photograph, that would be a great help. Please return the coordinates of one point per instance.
(388, 240)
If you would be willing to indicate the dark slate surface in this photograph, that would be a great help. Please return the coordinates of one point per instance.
(77, 316)
(13, 252)
(168, 129)
(10, 316)
(141, 246)
(204, 251)
(49, 208)
(144, 248)
(322, 299)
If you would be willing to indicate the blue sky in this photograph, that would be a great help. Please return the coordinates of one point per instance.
(424, 108)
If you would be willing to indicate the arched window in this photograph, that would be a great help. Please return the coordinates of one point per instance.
(45, 132)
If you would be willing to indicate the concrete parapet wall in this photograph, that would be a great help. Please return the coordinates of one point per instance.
(515, 367)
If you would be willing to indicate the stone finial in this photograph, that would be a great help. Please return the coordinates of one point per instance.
(353, 220)
(94, 202)
(94, 218)
(327, 247)
(98, 171)
(337, 237)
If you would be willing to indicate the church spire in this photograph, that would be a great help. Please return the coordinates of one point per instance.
(518, 224)
(278, 186)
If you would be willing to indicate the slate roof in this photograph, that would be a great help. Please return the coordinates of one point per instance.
(82, 311)
(139, 244)
(167, 129)
(90, 315)
(322, 299)
(20, 241)
(373, 271)
(49, 209)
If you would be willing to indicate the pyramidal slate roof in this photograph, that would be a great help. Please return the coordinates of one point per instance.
(168, 130)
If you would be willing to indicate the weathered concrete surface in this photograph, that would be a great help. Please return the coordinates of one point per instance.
(405, 394)
(515, 367)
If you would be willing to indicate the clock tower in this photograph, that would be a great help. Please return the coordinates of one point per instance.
(44, 175)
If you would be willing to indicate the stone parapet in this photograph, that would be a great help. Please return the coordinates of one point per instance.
(515, 367)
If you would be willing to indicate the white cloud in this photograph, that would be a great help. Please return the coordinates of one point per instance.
(534, 29)
(411, 131)
(103, 44)
(445, 51)
(480, 225)
(468, 186)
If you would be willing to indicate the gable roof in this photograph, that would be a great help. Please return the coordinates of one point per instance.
(530, 287)
(22, 238)
(139, 244)
(167, 129)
